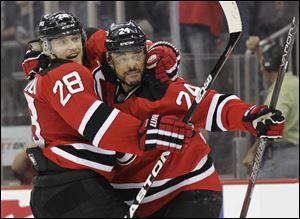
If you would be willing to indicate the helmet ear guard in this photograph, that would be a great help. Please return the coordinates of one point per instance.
(109, 60)
(83, 37)
(46, 45)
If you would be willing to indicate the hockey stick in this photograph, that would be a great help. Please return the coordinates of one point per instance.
(262, 143)
(232, 15)
(234, 23)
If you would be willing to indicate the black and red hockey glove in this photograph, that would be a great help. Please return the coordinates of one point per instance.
(34, 60)
(164, 58)
(261, 121)
(165, 133)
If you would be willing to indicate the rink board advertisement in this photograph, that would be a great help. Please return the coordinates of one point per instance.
(271, 198)
(14, 139)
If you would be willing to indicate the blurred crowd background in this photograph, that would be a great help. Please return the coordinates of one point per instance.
(197, 29)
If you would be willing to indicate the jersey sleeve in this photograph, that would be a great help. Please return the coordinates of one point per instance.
(216, 112)
(220, 112)
(95, 47)
(70, 91)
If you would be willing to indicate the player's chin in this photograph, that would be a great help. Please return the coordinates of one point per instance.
(133, 83)
(76, 59)
(136, 78)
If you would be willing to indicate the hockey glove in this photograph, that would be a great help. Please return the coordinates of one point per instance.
(164, 58)
(261, 121)
(34, 60)
(165, 133)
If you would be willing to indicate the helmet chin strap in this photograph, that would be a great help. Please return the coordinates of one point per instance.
(53, 54)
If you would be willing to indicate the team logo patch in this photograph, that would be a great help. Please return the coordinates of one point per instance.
(151, 59)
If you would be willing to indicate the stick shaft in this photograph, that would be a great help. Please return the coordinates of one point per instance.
(262, 144)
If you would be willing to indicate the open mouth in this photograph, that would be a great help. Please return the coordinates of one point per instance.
(72, 56)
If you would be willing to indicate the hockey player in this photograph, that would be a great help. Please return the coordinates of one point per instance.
(213, 124)
(78, 134)
(188, 185)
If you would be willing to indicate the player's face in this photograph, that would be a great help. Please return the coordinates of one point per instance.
(68, 47)
(129, 66)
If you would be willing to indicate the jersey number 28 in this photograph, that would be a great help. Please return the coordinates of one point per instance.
(73, 83)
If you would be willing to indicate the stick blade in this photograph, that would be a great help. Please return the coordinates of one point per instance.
(232, 15)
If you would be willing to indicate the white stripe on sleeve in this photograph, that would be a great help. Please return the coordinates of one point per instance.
(219, 111)
(88, 115)
(210, 115)
(105, 126)
(81, 161)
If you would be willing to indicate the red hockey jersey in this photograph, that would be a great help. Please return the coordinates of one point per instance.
(75, 129)
(191, 169)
